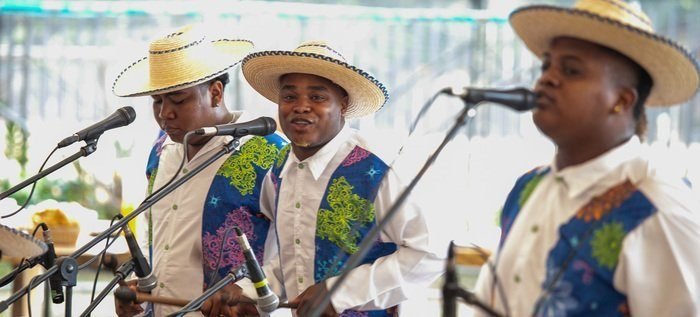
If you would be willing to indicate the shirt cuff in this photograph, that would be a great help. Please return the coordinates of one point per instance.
(336, 300)
(248, 288)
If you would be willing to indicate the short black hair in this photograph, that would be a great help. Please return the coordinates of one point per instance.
(642, 85)
(223, 78)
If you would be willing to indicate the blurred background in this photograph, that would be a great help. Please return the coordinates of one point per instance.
(58, 60)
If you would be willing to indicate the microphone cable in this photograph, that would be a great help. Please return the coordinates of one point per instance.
(185, 142)
(214, 273)
(498, 286)
(31, 193)
(102, 258)
(482, 253)
(422, 111)
(33, 280)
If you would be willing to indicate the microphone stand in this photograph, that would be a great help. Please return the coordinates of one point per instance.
(228, 148)
(89, 148)
(234, 275)
(122, 272)
(373, 234)
(451, 290)
(29, 263)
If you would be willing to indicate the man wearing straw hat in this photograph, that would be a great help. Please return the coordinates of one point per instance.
(328, 188)
(191, 241)
(602, 231)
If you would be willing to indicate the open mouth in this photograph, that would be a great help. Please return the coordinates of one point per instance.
(300, 122)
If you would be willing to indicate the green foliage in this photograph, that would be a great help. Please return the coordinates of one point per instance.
(16, 144)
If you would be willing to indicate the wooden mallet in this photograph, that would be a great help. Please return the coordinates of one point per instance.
(126, 294)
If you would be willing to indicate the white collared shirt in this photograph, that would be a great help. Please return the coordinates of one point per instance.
(659, 264)
(370, 286)
(177, 222)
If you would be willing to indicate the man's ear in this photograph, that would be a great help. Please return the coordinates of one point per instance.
(627, 99)
(344, 104)
(216, 90)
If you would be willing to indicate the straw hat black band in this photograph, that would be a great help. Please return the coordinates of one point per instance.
(180, 60)
(325, 58)
(174, 87)
(264, 69)
(616, 25)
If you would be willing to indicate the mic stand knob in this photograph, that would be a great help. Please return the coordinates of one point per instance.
(68, 271)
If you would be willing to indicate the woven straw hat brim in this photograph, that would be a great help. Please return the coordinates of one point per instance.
(190, 71)
(262, 70)
(675, 72)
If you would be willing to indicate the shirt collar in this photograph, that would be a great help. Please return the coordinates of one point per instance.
(579, 178)
(318, 162)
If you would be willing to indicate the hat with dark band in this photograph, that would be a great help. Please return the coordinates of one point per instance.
(619, 26)
(179, 60)
(264, 69)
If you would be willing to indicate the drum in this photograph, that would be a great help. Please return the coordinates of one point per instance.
(15, 243)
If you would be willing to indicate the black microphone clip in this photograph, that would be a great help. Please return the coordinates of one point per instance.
(57, 296)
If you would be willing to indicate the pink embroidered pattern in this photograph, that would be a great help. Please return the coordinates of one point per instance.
(588, 272)
(357, 154)
(232, 254)
(160, 142)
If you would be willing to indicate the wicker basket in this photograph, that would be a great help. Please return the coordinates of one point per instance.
(62, 236)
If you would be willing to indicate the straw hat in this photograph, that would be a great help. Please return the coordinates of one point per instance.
(619, 26)
(182, 59)
(263, 70)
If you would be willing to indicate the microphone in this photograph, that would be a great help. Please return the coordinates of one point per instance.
(147, 281)
(49, 261)
(519, 99)
(267, 300)
(123, 116)
(449, 302)
(261, 126)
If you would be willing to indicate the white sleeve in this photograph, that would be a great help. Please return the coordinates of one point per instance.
(271, 262)
(484, 289)
(382, 284)
(658, 268)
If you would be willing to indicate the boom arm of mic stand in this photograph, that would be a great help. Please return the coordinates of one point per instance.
(122, 272)
(228, 148)
(471, 299)
(86, 150)
(9, 277)
(373, 234)
(233, 276)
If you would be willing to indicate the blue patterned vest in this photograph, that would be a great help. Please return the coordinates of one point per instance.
(346, 214)
(233, 200)
(581, 265)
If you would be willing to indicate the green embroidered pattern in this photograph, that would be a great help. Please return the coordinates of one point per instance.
(282, 155)
(346, 209)
(239, 168)
(529, 188)
(152, 180)
(607, 243)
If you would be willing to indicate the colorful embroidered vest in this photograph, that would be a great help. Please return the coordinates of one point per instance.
(581, 265)
(232, 200)
(346, 214)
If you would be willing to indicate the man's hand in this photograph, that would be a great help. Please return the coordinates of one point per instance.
(124, 309)
(311, 298)
(218, 305)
